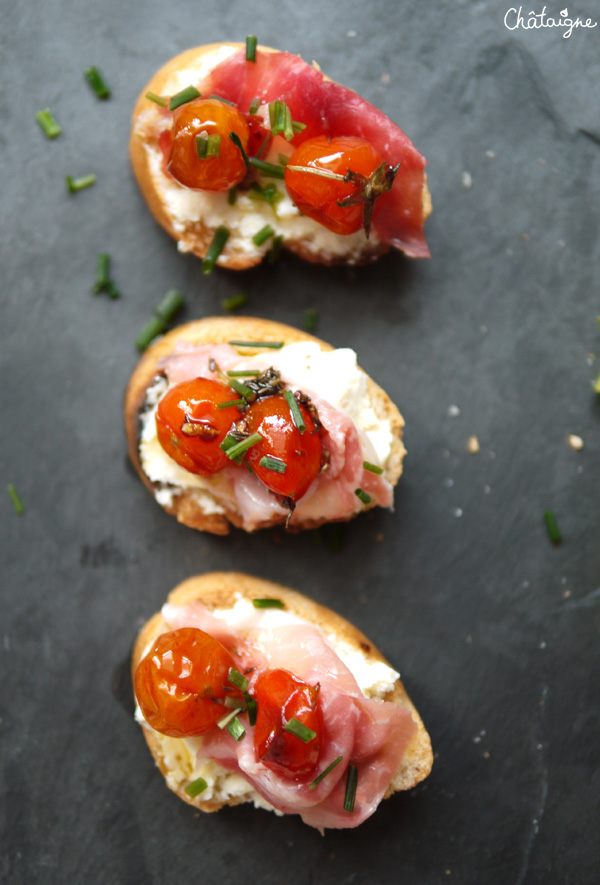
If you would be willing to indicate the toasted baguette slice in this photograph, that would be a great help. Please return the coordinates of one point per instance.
(221, 590)
(193, 225)
(218, 330)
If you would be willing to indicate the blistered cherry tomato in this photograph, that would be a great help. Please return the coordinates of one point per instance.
(192, 405)
(281, 697)
(181, 681)
(208, 117)
(301, 453)
(318, 197)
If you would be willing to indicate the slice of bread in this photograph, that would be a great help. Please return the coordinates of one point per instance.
(221, 590)
(195, 234)
(218, 330)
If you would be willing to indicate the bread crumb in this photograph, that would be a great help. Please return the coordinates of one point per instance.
(379, 537)
(448, 872)
(453, 411)
(467, 180)
(526, 237)
(575, 442)
(473, 445)
(490, 154)
(385, 79)
(590, 358)
(485, 754)
(566, 594)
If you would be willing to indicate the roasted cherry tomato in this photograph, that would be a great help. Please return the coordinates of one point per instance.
(208, 117)
(319, 197)
(190, 427)
(281, 697)
(299, 453)
(182, 681)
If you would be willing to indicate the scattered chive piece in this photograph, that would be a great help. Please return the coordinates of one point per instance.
(251, 48)
(597, 385)
(351, 783)
(268, 194)
(14, 497)
(298, 127)
(236, 678)
(275, 250)
(195, 787)
(230, 702)
(224, 722)
(157, 99)
(102, 273)
(268, 603)
(79, 184)
(208, 146)
(366, 499)
(324, 774)
(236, 729)
(232, 402)
(280, 119)
(96, 81)
(182, 97)
(155, 326)
(224, 100)
(170, 304)
(49, 126)
(214, 250)
(296, 413)
(234, 302)
(552, 526)
(268, 169)
(241, 388)
(263, 235)
(276, 345)
(373, 468)
(201, 146)
(294, 726)
(311, 318)
(272, 464)
(243, 373)
(236, 451)
(283, 159)
(254, 106)
(238, 143)
(232, 196)
(251, 708)
(112, 291)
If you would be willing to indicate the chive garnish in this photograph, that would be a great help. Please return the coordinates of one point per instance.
(238, 143)
(236, 678)
(311, 318)
(208, 146)
(235, 452)
(49, 126)
(232, 196)
(220, 98)
(275, 250)
(294, 726)
(298, 127)
(324, 774)
(268, 603)
(366, 499)
(280, 119)
(295, 410)
(596, 385)
(275, 345)
(170, 304)
(552, 526)
(283, 159)
(351, 783)
(236, 729)
(214, 250)
(240, 388)
(201, 146)
(14, 497)
(243, 373)
(182, 97)
(231, 402)
(263, 235)
(268, 169)
(268, 194)
(96, 81)
(251, 708)
(102, 273)
(254, 106)
(251, 48)
(79, 184)
(234, 302)
(373, 468)
(272, 464)
(196, 787)
(157, 99)
(224, 722)
(154, 327)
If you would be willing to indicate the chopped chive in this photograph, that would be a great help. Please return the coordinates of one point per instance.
(234, 302)
(251, 708)
(182, 97)
(112, 291)
(254, 106)
(324, 774)
(235, 452)
(102, 273)
(236, 678)
(268, 194)
(366, 499)
(275, 345)
(351, 783)
(552, 526)
(298, 127)
(96, 81)
(294, 726)
(214, 250)
(170, 304)
(263, 235)
(268, 169)
(288, 131)
(311, 318)
(154, 327)
(196, 787)
(268, 603)
(224, 722)
(236, 729)
(214, 145)
(201, 146)
(14, 497)
(79, 184)
(596, 385)
(280, 119)
(240, 388)
(275, 250)
(373, 468)
(157, 99)
(232, 196)
(232, 402)
(272, 464)
(295, 410)
(49, 126)
(243, 373)
(238, 143)
(251, 48)
(230, 702)
(220, 98)
(283, 159)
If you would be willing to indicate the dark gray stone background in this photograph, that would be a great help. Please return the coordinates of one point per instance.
(495, 631)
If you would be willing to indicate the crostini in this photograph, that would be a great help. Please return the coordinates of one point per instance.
(250, 692)
(253, 423)
(239, 152)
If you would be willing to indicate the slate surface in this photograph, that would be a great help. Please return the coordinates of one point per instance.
(496, 631)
